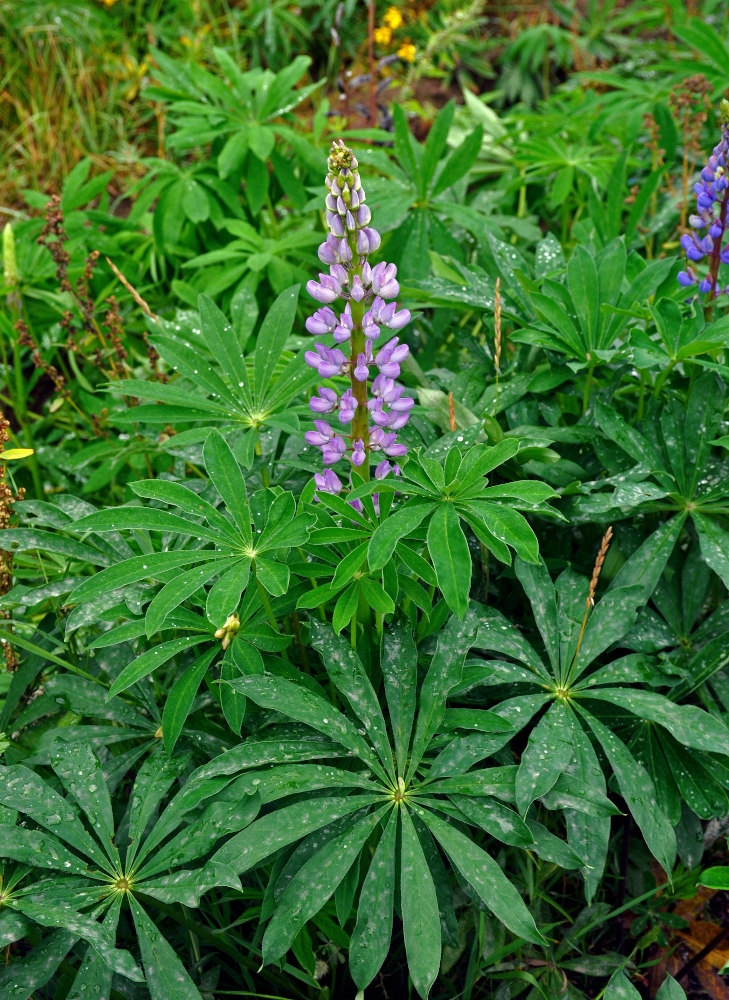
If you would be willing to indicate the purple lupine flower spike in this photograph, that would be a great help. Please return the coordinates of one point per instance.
(712, 202)
(371, 421)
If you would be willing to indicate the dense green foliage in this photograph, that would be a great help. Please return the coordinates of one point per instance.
(442, 731)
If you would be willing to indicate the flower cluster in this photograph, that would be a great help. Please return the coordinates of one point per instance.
(712, 201)
(372, 409)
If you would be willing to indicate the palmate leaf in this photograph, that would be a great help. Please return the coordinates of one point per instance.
(20, 979)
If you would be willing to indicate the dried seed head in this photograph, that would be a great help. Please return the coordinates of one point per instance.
(497, 326)
(598, 565)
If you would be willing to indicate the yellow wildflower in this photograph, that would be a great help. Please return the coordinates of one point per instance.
(393, 18)
(382, 36)
(407, 52)
(108, 3)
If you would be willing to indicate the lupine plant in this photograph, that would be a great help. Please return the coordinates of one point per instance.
(332, 694)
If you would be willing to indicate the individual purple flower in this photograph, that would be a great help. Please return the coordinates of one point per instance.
(322, 322)
(326, 290)
(328, 481)
(326, 402)
(712, 202)
(368, 291)
(347, 407)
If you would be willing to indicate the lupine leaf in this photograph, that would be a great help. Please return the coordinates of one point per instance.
(546, 756)
(620, 988)
(23, 976)
(420, 919)
(690, 725)
(486, 878)
(305, 706)
(284, 826)
(224, 471)
(165, 974)
(454, 641)
(399, 664)
(179, 589)
(79, 769)
(372, 933)
(346, 672)
(451, 559)
(181, 696)
(314, 884)
(149, 661)
(637, 789)
(146, 567)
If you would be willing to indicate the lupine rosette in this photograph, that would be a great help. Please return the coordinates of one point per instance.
(709, 223)
(372, 408)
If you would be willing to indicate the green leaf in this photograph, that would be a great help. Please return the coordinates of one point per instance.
(647, 563)
(486, 879)
(186, 499)
(272, 337)
(39, 850)
(539, 589)
(20, 979)
(547, 754)
(221, 341)
(284, 826)
(508, 526)
(691, 726)
(154, 779)
(451, 559)
(225, 595)
(496, 819)
(224, 471)
(80, 771)
(151, 660)
(273, 576)
(305, 706)
(376, 596)
(346, 672)
(638, 791)
(50, 914)
(670, 989)
(166, 975)
(146, 567)
(399, 664)
(714, 542)
(179, 589)
(715, 878)
(620, 988)
(179, 700)
(314, 884)
(22, 789)
(435, 144)
(419, 905)
(459, 162)
(395, 526)
(583, 284)
(144, 519)
(345, 607)
(444, 673)
(370, 941)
